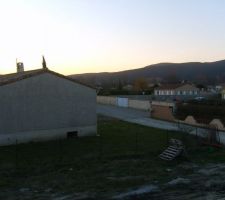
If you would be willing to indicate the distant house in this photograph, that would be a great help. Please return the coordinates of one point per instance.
(128, 87)
(223, 93)
(220, 86)
(43, 105)
(215, 88)
(176, 91)
(221, 90)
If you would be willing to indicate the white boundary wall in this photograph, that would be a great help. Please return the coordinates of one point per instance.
(201, 130)
(138, 104)
(107, 100)
(124, 102)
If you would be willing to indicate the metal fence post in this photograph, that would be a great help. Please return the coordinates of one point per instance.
(100, 146)
(136, 142)
(16, 155)
(167, 137)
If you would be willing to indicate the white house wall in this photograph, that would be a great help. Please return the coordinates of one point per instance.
(46, 102)
(44, 135)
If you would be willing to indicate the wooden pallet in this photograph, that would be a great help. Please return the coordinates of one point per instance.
(174, 150)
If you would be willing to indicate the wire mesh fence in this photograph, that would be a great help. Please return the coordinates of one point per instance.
(116, 141)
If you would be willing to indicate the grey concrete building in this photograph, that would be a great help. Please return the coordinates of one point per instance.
(42, 105)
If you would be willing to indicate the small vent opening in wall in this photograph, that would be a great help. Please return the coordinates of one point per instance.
(72, 134)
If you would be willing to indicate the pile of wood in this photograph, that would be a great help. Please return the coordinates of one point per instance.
(175, 149)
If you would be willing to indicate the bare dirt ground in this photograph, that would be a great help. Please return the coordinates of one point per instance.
(121, 173)
(203, 183)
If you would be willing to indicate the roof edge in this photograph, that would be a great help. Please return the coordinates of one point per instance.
(42, 71)
(68, 78)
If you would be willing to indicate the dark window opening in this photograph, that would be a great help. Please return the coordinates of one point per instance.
(72, 134)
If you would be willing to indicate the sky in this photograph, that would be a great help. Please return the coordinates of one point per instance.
(82, 36)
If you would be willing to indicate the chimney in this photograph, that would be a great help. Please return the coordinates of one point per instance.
(44, 65)
(20, 67)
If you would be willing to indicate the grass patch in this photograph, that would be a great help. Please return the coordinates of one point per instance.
(125, 155)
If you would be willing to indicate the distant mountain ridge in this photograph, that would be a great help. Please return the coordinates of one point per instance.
(199, 72)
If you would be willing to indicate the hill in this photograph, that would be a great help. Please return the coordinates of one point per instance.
(205, 73)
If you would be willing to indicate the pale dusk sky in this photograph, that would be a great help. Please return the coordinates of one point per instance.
(80, 36)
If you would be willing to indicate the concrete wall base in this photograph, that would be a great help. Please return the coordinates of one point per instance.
(45, 135)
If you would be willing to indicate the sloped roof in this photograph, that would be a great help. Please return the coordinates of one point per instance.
(173, 86)
(10, 78)
(169, 86)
